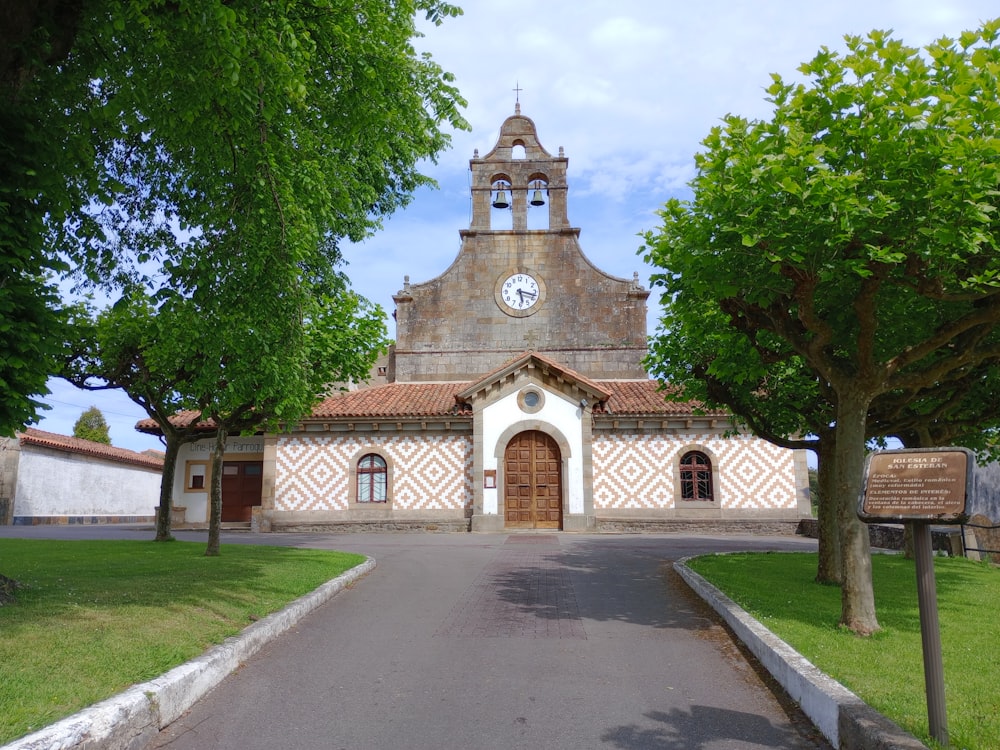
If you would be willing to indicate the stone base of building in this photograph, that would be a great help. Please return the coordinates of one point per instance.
(768, 527)
(579, 523)
(351, 527)
(88, 520)
(360, 520)
(449, 521)
(487, 524)
(494, 524)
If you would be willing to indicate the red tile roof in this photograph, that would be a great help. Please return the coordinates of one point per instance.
(181, 418)
(638, 397)
(395, 400)
(414, 400)
(31, 436)
(628, 397)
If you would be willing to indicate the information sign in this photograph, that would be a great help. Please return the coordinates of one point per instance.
(919, 484)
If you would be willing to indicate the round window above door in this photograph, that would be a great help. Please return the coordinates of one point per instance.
(531, 400)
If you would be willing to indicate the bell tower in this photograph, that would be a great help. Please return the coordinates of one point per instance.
(520, 281)
(519, 175)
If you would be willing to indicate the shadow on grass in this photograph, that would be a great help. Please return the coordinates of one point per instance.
(61, 579)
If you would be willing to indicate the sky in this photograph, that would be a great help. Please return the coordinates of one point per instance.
(628, 88)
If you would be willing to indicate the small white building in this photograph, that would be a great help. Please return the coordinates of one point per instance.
(47, 478)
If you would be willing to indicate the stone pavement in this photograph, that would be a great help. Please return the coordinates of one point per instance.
(503, 641)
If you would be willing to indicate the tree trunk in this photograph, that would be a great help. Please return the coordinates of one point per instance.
(857, 596)
(830, 567)
(163, 532)
(215, 515)
(908, 550)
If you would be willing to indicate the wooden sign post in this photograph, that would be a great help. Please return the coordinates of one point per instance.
(921, 486)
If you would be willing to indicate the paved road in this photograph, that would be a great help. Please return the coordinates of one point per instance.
(474, 641)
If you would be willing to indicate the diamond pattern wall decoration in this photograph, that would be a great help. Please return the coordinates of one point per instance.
(429, 472)
(632, 471)
(637, 471)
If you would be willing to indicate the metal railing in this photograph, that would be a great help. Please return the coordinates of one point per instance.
(981, 550)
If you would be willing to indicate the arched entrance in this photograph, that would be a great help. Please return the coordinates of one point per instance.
(532, 482)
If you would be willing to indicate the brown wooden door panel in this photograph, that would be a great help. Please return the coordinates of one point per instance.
(533, 482)
(242, 482)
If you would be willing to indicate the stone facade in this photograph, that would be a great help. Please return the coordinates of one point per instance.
(454, 327)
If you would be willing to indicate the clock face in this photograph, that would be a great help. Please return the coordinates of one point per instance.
(519, 291)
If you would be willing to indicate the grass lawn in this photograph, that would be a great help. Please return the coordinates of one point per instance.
(885, 670)
(94, 617)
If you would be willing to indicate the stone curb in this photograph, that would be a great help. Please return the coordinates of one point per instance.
(843, 718)
(131, 719)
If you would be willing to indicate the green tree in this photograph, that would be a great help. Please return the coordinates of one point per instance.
(255, 352)
(32, 319)
(766, 388)
(115, 350)
(143, 129)
(92, 426)
(268, 343)
(774, 394)
(856, 230)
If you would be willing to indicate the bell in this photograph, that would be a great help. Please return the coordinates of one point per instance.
(537, 199)
(501, 200)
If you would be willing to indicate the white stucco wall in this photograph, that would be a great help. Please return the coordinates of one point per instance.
(196, 501)
(53, 483)
(558, 417)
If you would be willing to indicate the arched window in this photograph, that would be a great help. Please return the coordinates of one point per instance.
(538, 199)
(372, 479)
(501, 198)
(696, 477)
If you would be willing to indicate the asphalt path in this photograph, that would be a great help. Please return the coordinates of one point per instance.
(505, 641)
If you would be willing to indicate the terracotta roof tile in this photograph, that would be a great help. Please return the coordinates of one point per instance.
(31, 436)
(180, 418)
(645, 397)
(395, 400)
(438, 399)
(403, 400)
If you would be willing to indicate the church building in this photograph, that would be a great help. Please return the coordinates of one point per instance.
(514, 398)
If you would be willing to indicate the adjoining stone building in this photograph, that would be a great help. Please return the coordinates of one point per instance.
(514, 397)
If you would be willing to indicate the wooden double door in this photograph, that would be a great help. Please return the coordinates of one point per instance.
(242, 482)
(532, 482)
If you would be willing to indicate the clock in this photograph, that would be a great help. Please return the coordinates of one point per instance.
(519, 293)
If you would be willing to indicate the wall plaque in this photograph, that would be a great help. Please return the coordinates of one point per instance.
(919, 484)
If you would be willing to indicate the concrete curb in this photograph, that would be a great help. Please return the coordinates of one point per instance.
(130, 720)
(843, 718)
